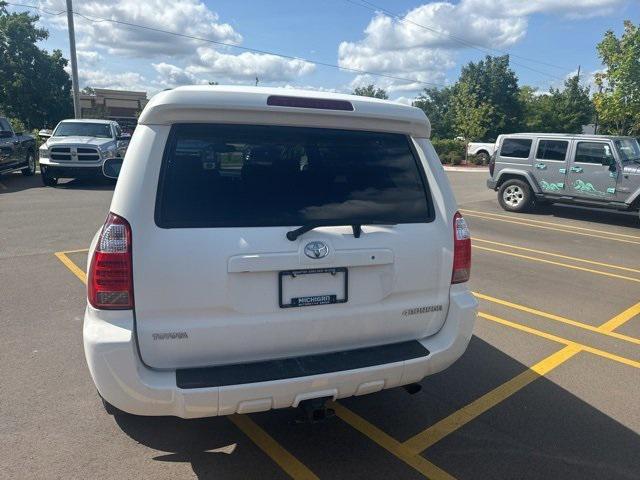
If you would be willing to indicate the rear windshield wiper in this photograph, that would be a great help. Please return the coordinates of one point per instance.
(356, 226)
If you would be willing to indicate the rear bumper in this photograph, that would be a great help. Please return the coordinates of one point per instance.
(126, 383)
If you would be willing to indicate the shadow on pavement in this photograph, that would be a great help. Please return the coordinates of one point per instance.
(585, 214)
(16, 182)
(542, 431)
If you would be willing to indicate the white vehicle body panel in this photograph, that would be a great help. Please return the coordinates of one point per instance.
(476, 147)
(219, 285)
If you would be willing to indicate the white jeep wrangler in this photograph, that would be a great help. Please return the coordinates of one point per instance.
(270, 247)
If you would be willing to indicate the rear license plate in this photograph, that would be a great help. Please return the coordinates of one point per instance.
(318, 286)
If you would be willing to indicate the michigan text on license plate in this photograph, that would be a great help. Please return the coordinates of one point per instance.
(317, 286)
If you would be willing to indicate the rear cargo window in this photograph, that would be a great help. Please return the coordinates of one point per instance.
(251, 175)
(516, 147)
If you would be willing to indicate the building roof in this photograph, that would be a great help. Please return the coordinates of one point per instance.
(239, 104)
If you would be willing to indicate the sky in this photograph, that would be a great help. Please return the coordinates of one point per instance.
(409, 44)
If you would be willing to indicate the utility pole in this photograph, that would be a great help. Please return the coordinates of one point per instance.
(578, 75)
(74, 61)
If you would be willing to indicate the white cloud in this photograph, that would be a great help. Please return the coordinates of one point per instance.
(424, 46)
(188, 17)
(178, 60)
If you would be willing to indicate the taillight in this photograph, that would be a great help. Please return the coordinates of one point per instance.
(461, 250)
(110, 280)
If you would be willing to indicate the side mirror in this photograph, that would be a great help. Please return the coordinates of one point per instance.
(111, 167)
(46, 134)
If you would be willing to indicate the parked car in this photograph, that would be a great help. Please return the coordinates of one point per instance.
(335, 265)
(17, 150)
(481, 150)
(78, 148)
(592, 170)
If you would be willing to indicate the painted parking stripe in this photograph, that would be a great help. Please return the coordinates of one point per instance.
(558, 264)
(619, 319)
(287, 462)
(423, 440)
(563, 230)
(453, 422)
(75, 269)
(412, 459)
(556, 255)
(556, 338)
(565, 226)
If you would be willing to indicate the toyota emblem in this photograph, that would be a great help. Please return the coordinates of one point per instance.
(316, 250)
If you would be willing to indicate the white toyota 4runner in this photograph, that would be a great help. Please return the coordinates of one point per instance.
(269, 247)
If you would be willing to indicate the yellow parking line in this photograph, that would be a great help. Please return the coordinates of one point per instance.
(557, 255)
(290, 464)
(75, 251)
(558, 264)
(76, 270)
(601, 330)
(412, 459)
(423, 440)
(555, 338)
(467, 214)
(453, 422)
(621, 318)
(555, 224)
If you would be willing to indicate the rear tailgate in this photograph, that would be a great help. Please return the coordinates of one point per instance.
(218, 282)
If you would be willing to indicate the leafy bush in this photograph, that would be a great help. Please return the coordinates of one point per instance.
(449, 150)
(17, 125)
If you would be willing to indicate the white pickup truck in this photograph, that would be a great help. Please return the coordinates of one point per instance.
(481, 150)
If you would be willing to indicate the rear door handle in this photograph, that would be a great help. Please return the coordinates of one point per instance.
(541, 166)
(577, 169)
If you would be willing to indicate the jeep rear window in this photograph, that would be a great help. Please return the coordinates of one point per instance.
(252, 175)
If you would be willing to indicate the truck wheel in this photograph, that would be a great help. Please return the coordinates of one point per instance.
(515, 196)
(31, 165)
(47, 179)
(483, 157)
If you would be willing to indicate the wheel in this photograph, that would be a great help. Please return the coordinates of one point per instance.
(484, 157)
(515, 196)
(30, 169)
(47, 179)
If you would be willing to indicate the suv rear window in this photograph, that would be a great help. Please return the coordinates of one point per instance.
(516, 147)
(251, 175)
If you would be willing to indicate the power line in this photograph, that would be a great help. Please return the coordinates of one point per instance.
(233, 45)
(373, 7)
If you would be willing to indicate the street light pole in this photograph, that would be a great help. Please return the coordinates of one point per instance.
(74, 61)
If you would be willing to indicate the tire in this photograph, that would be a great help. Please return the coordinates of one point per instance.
(30, 170)
(484, 157)
(47, 179)
(515, 196)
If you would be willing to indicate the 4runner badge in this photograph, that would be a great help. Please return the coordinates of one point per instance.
(419, 310)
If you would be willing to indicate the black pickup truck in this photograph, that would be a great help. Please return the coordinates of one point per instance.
(17, 151)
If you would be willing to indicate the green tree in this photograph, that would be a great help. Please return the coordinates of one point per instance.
(34, 88)
(496, 85)
(618, 101)
(560, 111)
(436, 104)
(471, 115)
(371, 91)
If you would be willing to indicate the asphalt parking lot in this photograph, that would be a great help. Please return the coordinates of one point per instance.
(549, 387)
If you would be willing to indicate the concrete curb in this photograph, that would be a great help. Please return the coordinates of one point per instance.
(466, 169)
